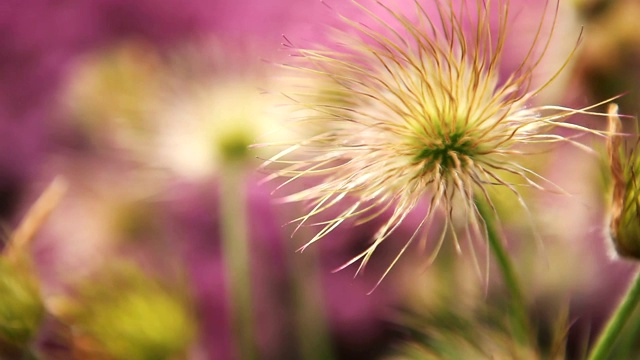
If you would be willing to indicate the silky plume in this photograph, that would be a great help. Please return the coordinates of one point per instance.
(409, 108)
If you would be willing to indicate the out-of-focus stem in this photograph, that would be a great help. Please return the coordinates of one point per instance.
(609, 335)
(312, 330)
(35, 218)
(522, 327)
(235, 243)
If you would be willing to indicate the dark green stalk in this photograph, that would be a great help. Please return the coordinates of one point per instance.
(311, 325)
(522, 327)
(623, 312)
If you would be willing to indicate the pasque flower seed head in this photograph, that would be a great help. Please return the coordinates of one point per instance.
(412, 108)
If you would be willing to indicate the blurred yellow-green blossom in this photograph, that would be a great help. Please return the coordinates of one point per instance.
(128, 315)
(21, 307)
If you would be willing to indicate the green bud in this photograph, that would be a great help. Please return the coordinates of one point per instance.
(625, 204)
(235, 146)
(130, 316)
(21, 307)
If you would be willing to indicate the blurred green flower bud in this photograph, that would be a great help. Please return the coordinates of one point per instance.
(129, 316)
(625, 204)
(447, 334)
(234, 147)
(21, 307)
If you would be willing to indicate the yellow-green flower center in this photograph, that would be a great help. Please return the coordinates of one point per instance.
(447, 152)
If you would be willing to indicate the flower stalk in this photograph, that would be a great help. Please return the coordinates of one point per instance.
(34, 219)
(312, 330)
(609, 335)
(522, 327)
(235, 243)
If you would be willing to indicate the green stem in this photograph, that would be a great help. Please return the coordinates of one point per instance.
(235, 245)
(522, 327)
(610, 334)
(311, 326)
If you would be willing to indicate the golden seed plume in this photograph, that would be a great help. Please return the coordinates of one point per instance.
(410, 108)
